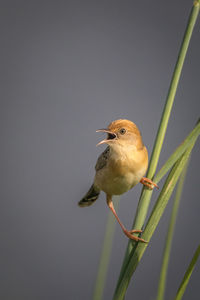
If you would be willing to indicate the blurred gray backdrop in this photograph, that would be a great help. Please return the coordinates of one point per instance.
(67, 69)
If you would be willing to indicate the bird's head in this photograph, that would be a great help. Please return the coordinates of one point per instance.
(122, 132)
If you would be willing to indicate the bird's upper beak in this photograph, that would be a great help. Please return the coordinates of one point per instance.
(111, 136)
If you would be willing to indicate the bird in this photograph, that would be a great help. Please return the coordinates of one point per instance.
(120, 167)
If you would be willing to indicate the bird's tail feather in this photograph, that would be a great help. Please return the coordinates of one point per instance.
(90, 197)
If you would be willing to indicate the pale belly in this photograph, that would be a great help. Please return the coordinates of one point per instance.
(124, 169)
(117, 185)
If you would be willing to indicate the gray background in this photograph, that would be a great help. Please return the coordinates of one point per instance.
(67, 69)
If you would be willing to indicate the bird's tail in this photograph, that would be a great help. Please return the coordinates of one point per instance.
(90, 197)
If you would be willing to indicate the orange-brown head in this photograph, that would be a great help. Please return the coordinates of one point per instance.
(122, 132)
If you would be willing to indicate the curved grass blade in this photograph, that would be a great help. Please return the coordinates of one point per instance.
(178, 152)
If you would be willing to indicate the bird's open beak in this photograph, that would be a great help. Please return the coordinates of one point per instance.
(111, 136)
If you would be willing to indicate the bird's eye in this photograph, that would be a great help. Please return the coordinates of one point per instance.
(122, 131)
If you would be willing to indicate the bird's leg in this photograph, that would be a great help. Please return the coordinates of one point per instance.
(149, 183)
(127, 233)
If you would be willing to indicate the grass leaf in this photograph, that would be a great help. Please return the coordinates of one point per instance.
(178, 152)
(168, 242)
(187, 275)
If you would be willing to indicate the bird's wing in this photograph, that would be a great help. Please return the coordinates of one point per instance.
(102, 160)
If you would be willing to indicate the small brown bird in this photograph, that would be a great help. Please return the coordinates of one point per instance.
(120, 167)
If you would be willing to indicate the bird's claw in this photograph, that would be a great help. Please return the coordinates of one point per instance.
(148, 183)
(130, 235)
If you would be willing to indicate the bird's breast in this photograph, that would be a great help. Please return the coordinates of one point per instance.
(122, 172)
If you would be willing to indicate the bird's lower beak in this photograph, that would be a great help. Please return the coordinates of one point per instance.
(111, 136)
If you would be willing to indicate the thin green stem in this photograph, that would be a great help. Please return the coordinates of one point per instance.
(106, 254)
(168, 243)
(187, 275)
(145, 197)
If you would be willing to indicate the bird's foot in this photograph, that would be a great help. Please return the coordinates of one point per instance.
(129, 234)
(149, 183)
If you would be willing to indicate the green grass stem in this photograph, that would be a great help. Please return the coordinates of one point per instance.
(170, 233)
(106, 253)
(187, 275)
